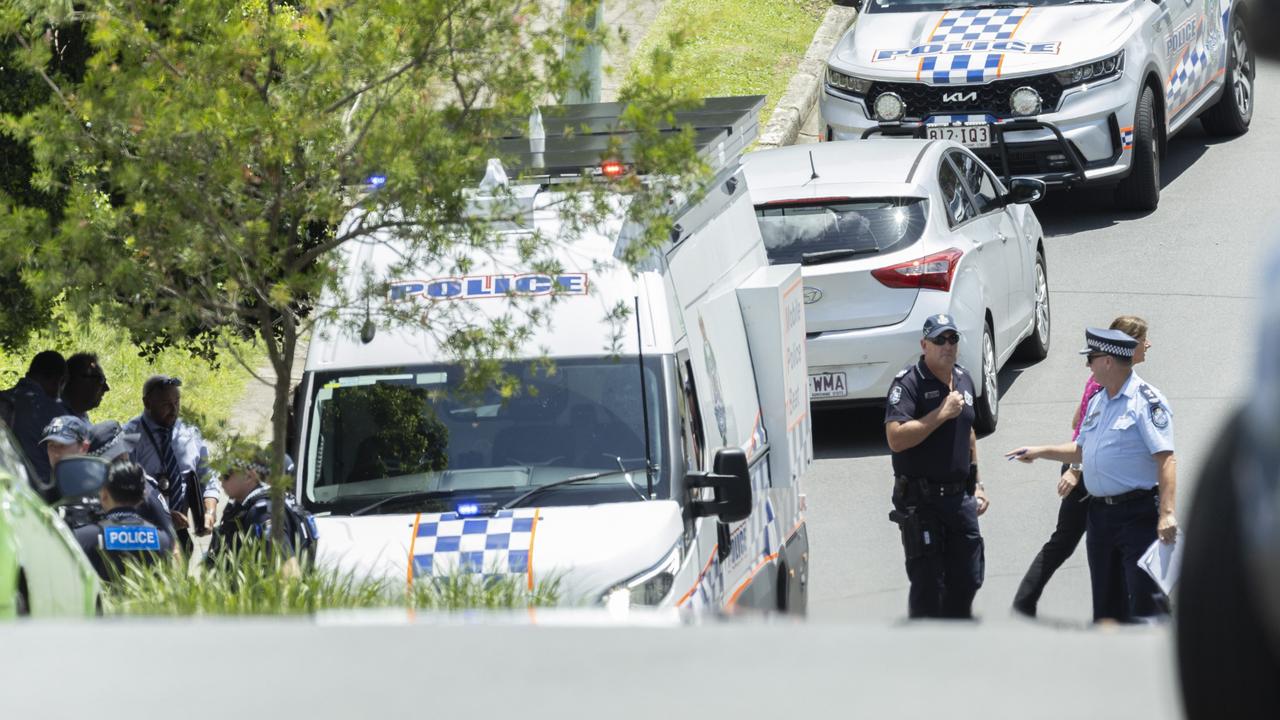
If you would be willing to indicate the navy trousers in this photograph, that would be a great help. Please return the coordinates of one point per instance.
(945, 580)
(1118, 535)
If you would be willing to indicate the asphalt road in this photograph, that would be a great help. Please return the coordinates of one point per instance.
(1192, 269)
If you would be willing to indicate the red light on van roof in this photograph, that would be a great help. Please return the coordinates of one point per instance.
(612, 169)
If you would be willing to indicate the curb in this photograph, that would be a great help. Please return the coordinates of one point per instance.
(802, 92)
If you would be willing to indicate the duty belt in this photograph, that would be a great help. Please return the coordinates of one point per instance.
(1127, 497)
(935, 489)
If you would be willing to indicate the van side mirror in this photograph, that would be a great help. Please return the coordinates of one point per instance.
(80, 476)
(1025, 190)
(730, 482)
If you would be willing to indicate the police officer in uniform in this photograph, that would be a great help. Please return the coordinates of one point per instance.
(248, 515)
(121, 534)
(937, 496)
(1126, 449)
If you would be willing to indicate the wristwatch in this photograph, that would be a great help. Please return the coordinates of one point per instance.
(1076, 466)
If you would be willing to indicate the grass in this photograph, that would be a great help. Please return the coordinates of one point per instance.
(735, 47)
(257, 584)
(208, 393)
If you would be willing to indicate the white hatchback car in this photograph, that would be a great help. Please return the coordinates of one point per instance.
(890, 232)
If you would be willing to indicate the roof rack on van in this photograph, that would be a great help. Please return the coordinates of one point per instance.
(578, 136)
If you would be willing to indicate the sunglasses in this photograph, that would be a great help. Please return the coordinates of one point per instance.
(948, 339)
(1088, 359)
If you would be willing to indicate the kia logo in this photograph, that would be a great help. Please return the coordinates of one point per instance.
(812, 295)
(960, 96)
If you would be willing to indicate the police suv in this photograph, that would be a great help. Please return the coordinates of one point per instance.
(1074, 92)
(656, 462)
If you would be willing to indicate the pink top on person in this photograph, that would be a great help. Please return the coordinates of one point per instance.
(1091, 388)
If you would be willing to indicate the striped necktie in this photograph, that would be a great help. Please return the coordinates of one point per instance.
(167, 457)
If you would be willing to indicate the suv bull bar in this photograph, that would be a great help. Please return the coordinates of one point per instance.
(917, 129)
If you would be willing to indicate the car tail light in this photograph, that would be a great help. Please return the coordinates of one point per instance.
(933, 272)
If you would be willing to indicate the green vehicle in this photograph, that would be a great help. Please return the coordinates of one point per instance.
(43, 573)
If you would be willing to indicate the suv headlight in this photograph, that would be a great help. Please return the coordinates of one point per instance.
(847, 83)
(1092, 72)
(650, 587)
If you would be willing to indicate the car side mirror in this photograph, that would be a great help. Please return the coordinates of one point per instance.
(730, 482)
(1025, 190)
(80, 476)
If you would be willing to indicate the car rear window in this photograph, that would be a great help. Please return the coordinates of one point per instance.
(812, 232)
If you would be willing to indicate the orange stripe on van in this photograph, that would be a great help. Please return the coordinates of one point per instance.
(684, 598)
(412, 542)
(533, 533)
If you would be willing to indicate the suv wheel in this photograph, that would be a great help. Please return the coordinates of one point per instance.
(987, 406)
(1230, 116)
(1141, 190)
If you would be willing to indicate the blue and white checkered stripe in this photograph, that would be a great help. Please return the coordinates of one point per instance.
(1195, 69)
(959, 26)
(1109, 348)
(449, 543)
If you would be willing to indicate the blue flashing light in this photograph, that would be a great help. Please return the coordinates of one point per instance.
(468, 509)
(377, 181)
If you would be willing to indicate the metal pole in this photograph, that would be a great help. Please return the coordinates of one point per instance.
(588, 61)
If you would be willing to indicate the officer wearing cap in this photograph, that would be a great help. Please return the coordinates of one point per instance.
(248, 515)
(1126, 448)
(64, 436)
(122, 535)
(937, 496)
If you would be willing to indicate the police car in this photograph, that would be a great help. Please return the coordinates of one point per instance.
(891, 232)
(43, 572)
(654, 462)
(1073, 92)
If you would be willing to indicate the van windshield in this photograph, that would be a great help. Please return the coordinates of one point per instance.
(378, 433)
(830, 230)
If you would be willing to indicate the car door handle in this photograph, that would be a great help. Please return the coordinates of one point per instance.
(1002, 237)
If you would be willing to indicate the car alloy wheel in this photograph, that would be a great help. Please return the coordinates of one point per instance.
(1242, 71)
(990, 380)
(1042, 305)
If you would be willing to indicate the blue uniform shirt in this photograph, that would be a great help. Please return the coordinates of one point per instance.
(1119, 437)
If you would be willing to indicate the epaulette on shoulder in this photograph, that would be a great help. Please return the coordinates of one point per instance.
(1149, 393)
(902, 372)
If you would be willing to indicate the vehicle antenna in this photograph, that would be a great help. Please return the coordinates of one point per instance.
(812, 167)
(644, 405)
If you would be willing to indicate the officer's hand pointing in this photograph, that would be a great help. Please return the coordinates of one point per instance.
(1026, 455)
(1167, 528)
(951, 407)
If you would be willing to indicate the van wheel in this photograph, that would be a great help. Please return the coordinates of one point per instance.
(783, 586)
(1230, 116)
(987, 406)
(21, 603)
(1036, 347)
(1141, 190)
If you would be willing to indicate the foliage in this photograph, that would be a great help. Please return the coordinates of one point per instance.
(213, 157)
(208, 392)
(258, 583)
(735, 47)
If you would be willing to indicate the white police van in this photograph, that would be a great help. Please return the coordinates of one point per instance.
(1072, 92)
(656, 466)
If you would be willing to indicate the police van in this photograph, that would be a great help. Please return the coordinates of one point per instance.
(653, 462)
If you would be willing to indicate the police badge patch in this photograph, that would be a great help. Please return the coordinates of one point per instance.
(1159, 416)
(968, 399)
(895, 395)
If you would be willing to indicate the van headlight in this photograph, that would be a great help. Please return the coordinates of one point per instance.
(847, 83)
(1092, 72)
(649, 588)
